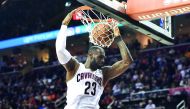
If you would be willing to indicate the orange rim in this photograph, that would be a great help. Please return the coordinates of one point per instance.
(99, 20)
(84, 8)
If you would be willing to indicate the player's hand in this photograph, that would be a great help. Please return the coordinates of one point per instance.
(70, 15)
(68, 18)
(116, 31)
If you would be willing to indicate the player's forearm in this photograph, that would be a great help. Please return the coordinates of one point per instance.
(125, 53)
(61, 38)
(68, 18)
(62, 54)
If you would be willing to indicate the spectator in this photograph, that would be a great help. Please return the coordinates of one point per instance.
(116, 89)
(170, 104)
(139, 85)
(135, 76)
(150, 105)
(106, 101)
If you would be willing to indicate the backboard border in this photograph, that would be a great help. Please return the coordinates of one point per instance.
(126, 20)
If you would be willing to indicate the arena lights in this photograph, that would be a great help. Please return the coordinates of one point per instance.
(35, 38)
(67, 4)
(40, 37)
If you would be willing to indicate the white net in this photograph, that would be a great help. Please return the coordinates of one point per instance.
(99, 26)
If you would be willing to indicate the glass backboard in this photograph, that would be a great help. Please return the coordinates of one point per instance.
(161, 31)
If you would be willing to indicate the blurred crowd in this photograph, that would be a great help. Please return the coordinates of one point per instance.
(152, 71)
(37, 84)
(37, 89)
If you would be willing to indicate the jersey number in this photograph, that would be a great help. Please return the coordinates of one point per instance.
(89, 85)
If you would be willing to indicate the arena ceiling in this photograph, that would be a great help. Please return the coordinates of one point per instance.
(24, 17)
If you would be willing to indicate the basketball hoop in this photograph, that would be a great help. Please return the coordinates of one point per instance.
(93, 21)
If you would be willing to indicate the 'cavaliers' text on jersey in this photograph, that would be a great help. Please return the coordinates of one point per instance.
(84, 89)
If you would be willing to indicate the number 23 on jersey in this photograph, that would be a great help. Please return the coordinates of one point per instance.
(90, 88)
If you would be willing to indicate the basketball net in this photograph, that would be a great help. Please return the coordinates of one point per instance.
(91, 20)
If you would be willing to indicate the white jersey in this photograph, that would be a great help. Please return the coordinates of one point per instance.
(84, 89)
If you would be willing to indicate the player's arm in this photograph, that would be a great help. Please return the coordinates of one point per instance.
(121, 66)
(63, 55)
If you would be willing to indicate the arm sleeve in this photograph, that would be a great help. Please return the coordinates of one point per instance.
(62, 54)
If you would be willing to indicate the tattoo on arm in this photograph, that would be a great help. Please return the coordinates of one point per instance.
(125, 54)
(119, 67)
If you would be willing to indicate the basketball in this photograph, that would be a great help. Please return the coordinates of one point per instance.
(102, 34)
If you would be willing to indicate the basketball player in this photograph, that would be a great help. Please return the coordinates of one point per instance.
(86, 82)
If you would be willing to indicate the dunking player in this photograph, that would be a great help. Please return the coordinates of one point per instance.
(85, 82)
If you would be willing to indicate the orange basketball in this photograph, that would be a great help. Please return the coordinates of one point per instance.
(102, 34)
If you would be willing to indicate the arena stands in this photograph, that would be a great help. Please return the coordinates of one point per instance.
(154, 75)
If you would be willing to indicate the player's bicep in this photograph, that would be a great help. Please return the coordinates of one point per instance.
(116, 69)
(71, 65)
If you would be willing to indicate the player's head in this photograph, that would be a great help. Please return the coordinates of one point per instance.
(97, 57)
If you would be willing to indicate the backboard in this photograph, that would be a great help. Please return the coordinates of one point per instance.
(162, 33)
